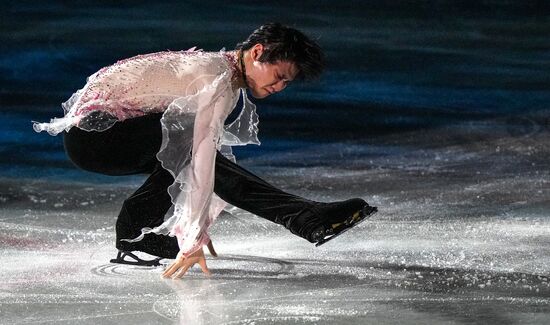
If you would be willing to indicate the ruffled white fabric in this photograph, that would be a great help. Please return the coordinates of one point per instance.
(195, 90)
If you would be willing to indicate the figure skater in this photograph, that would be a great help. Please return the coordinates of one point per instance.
(162, 114)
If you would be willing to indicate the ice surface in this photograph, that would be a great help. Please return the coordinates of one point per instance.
(462, 236)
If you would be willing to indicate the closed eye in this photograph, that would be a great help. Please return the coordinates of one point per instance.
(286, 81)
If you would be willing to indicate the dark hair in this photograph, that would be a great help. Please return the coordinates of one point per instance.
(283, 43)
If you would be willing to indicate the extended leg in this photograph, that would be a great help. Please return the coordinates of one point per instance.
(305, 218)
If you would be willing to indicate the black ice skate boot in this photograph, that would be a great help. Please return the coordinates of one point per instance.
(157, 245)
(326, 221)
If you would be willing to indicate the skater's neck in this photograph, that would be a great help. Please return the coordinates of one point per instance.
(239, 75)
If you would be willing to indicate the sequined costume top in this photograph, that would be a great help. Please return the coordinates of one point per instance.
(196, 91)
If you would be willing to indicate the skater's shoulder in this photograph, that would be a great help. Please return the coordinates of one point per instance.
(179, 61)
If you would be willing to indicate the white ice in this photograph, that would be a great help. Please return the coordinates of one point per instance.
(462, 236)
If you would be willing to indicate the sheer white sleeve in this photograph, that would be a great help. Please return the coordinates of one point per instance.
(192, 128)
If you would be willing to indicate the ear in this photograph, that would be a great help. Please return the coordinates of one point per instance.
(256, 51)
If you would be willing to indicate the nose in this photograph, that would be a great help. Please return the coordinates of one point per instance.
(279, 86)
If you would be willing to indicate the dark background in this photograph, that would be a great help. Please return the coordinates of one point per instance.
(392, 66)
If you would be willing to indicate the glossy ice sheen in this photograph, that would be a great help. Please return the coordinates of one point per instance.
(462, 236)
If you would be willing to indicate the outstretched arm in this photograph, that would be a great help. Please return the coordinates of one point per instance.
(196, 210)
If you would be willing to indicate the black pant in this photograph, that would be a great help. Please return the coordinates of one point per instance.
(130, 147)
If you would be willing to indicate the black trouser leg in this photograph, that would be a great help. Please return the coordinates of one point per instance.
(243, 189)
(129, 148)
(147, 208)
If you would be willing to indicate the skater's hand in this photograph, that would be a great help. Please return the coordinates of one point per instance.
(182, 264)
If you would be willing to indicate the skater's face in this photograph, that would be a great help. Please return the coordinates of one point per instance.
(265, 78)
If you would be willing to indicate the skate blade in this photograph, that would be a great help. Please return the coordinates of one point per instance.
(356, 219)
(138, 261)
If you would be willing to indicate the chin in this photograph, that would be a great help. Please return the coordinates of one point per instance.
(257, 95)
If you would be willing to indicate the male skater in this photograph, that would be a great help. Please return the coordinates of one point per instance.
(163, 114)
